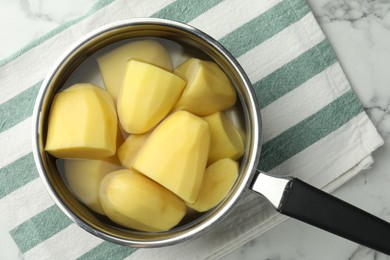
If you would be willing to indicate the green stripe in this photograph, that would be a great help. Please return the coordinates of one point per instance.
(265, 26)
(96, 7)
(309, 131)
(108, 250)
(18, 108)
(294, 73)
(39, 228)
(17, 174)
(185, 10)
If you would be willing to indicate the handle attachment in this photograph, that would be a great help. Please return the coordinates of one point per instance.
(315, 207)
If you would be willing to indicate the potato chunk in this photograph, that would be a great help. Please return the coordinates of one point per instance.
(129, 149)
(134, 201)
(146, 96)
(175, 154)
(208, 88)
(82, 123)
(226, 141)
(84, 176)
(217, 181)
(112, 64)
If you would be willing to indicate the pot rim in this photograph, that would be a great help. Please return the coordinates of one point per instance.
(252, 121)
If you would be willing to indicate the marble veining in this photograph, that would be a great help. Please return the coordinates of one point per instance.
(380, 115)
(359, 30)
(354, 11)
(33, 11)
(33, 18)
(47, 10)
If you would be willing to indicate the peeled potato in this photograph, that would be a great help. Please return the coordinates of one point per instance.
(217, 181)
(226, 140)
(166, 155)
(84, 176)
(129, 149)
(208, 88)
(82, 123)
(119, 137)
(146, 96)
(112, 64)
(134, 201)
(175, 154)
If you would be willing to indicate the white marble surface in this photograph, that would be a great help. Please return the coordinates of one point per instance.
(359, 31)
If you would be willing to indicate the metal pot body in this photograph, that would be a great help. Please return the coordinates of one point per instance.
(111, 34)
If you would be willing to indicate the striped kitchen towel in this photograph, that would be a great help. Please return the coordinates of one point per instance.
(314, 126)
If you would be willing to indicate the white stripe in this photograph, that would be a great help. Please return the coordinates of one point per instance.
(303, 101)
(15, 142)
(69, 243)
(281, 48)
(36, 63)
(354, 141)
(25, 202)
(243, 12)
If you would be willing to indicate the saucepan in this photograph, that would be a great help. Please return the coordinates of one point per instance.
(288, 195)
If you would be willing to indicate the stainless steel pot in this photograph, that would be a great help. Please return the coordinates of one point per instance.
(288, 195)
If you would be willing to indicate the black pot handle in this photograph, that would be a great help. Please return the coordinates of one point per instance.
(304, 202)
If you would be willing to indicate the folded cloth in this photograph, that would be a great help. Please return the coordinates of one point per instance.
(314, 126)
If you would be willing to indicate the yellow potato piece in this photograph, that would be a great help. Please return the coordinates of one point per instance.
(119, 137)
(208, 88)
(82, 123)
(129, 149)
(134, 201)
(175, 154)
(217, 181)
(112, 64)
(84, 176)
(146, 96)
(226, 141)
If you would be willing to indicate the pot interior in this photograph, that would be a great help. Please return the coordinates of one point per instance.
(79, 65)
